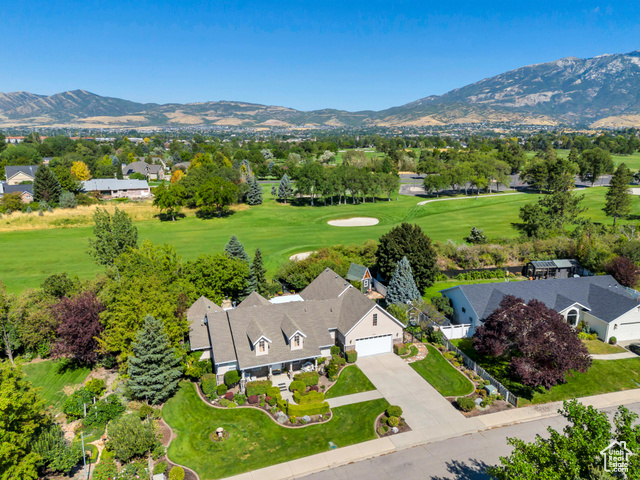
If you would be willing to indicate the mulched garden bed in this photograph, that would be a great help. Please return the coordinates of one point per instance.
(495, 407)
(381, 422)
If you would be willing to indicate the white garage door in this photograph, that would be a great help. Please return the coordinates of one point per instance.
(626, 331)
(374, 345)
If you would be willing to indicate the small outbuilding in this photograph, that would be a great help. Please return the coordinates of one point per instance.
(360, 273)
(565, 268)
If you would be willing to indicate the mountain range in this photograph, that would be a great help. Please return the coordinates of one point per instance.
(603, 91)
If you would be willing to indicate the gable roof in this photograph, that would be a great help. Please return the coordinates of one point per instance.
(12, 170)
(326, 285)
(6, 188)
(289, 327)
(356, 272)
(198, 335)
(112, 184)
(602, 295)
(141, 167)
(253, 300)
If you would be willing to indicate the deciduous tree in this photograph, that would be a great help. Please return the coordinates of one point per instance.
(112, 235)
(215, 196)
(169, 198)
(624, 271)
(80, 171)
(217, 276)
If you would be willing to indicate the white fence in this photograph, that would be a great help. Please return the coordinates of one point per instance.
(380, 288)
(457, 331)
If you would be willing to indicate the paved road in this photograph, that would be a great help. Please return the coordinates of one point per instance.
(461, 458)
(422, 405)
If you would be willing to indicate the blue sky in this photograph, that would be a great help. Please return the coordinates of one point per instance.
(305, 54)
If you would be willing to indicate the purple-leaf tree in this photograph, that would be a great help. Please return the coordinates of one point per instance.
(541, 347)
(79, 319)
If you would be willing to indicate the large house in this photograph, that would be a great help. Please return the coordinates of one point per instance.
(152, 172)
(600, 301)
(261, 338)
(17, 174)
(114, 188)
(25, 191)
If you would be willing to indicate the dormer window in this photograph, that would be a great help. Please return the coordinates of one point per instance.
(296, 340)
(261, 346)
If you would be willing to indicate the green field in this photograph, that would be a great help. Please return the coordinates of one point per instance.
(632, 161)
(279, 230)
(255, 440)
(51, 381)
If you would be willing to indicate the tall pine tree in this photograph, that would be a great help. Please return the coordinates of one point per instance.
(402, 287)
(154, 368)
(254, 196)
(235, 249)
(618, 198)
(285, 189)
(46, 185)
(257, 275)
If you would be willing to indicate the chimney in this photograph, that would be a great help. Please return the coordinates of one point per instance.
(226, 304)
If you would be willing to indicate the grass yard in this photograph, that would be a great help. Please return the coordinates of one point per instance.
(413, 351)
(604, 376)
(436, 370)
(279, 230)
(255, 440)
(598, 347)
(51, 382)
(632, 161)
(433, 290)
(350, 381)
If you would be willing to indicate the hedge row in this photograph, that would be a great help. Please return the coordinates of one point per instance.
(258, 387)
(311, 397)
(302, 410)
(309, 378)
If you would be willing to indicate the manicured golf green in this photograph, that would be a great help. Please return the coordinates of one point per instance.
(255, 440)
(351, 380)
(280, 230)
(51, 380)
(436, 370)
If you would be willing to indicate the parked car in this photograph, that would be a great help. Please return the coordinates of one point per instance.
(635, 348)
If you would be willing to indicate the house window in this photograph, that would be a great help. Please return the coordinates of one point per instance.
(464, 310)
(296, 340)
(261, 346)
(375, 319)
(572, 317)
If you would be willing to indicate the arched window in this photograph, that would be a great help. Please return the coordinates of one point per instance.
(572, 318)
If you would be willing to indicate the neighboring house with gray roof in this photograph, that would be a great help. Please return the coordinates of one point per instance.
(360, 273)
(17, 174)
(262, 338)
(114, 188)
(600, 301)
(152, 172)
(25, 191)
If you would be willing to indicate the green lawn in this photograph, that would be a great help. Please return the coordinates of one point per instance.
(632, 161)
(413, 351)
(598, 347)
(433, 290)
(604, 376)
(255, 440)
(46, 376)
(351, 380)
(436, 370)
(279, 230)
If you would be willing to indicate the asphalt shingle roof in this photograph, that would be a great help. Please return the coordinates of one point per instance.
(356, 272)
(326, 285)
(112, 184)
(253, 300)
(141, 167)
(6, 188)
(602, 295)
(11, 170)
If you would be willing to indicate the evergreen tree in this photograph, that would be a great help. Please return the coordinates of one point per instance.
(402, 287)
(113, 235)
(235, 249)
(257, 278)
(254, 196)
(154, 368)
(46, 185)
(274, 190)
(618, 201)
(285, 189)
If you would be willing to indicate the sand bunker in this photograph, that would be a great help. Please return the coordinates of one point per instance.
(300, 256)
(354, 222)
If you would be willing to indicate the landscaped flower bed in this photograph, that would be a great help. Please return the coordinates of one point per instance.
(391, 419)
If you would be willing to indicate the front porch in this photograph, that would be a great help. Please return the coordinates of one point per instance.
(280, 374)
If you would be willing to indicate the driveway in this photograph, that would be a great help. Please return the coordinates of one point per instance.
(422, 405)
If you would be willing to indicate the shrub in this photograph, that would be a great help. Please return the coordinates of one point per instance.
(227, 403)
(400, 349)
(394, 411)
(96, 386)
(297, 386)
(309, 378)
(352, 356)
(332, 370)
(145, 411)
(613, 340)
(158, 452)
(292, 419)
(160, 467)
(229, 396)
(314, 388)
(466, 404)
(273, 392)
(73, 406)
(239, 398)
(393, 421)
(208, 386)
(270, 401)
(335, 350)
(382, 429)
(259, 387)
(129, 437)
(253, 399)
(221, 389)
(302, 410)
(231, 378)
(176, 473)
(105, 470)
(311, 397)
(68, 200)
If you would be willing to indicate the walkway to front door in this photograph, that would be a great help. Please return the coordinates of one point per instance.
(422, 405)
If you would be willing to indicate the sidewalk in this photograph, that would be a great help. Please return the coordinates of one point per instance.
(354, 398)
(434, 433)
(614, 356)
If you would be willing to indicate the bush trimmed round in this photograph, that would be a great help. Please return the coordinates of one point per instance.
(394, 411)
(393, 421)
(176, 473)
(466, 404)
